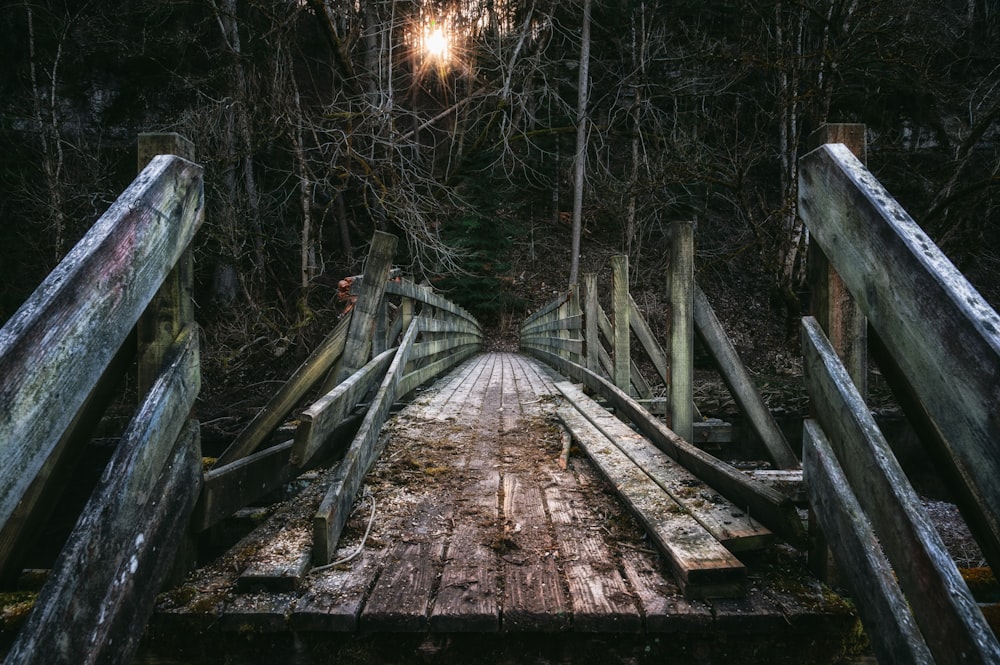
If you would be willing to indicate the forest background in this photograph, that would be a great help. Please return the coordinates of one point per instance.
(456, 124)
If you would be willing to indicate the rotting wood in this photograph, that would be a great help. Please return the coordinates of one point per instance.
(664, 607)
(323, 416)
(944, 609)
(361, 331)
(739, 382)
(312, 370)
(336, 506)
(943, 335)
(727, 523)
(280, 564)
(833, 306)
(770, 508)
(21, 532)
(172, 308)
(534, 599)
(332, 599)
(884, 610)
(703, 567)
(680, 294)
(230, 487)
(124, 541)
(621, 333)
(599, 597)
(591, 334)
(86, 309)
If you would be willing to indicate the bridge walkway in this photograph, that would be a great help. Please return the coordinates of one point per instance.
(468, 525)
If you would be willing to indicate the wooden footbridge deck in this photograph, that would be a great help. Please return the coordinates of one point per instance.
(478, 529)
(405, 497)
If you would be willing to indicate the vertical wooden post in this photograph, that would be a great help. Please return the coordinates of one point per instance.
(172, 308)
(591, 333)
(362, 329)
(681, 293)
(620, 309)
(841, 319)
(832, 305)
(573, 309)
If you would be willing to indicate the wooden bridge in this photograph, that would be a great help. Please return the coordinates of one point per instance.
(405, 496)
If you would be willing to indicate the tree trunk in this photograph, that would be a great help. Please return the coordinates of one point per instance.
(581, 144)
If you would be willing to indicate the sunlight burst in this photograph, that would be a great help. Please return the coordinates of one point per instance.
(436, 43)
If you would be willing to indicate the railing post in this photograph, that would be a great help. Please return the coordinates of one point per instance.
(833, 306)
(620, 309)
(681, 294)
(591, 330)
(172, 309)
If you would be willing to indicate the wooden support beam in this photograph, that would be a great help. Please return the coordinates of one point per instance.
(727, 523)
(942, 334)
(702, 566)
(680, 290)
(364, 450)
(833, 306)
(172, 308)
(770, 508)
(312, 370)
(363, 317)
(232, 486)
(319, 421)
(621, 335)
(884, 611)
(105, 581)
(739, 382)
(84, 310)
(944, 609)
(591, 335)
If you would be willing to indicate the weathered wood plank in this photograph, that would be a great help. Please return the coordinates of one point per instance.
(319, 421)
(727, 523)
(553, 304)
(85, 309)
(599, 596)
(467, 600)
(770, 508)
(534, 599)
(664, 607)
(649, 343)
(884, 610)
(680, 292)
(139, 509)
(228, 488)
(942, 605)
(591, 334)
(703, 567)
(421, 376)
(333, 598)
(362, 328)
(281, 564)
(414, 292)
(400, 601)
(364, 450)
(942, 333)
(312, 370)
(739, 382)
(621, 335)
(833, 305)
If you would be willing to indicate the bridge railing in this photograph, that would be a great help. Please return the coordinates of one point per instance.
(396, 337)
(571, 337)
(61, 357)
(937, 342)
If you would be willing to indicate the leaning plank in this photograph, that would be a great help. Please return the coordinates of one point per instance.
(56, 346)
(770, 508)
(741, 386)
(942, 605)
(727, 523)
(319, 421)
(122, 546)
(361, 330)
(884, 611)
(278, 407)
(703, 567)
(364, 450)
(233, 486)
(648, 340)
(942, 333)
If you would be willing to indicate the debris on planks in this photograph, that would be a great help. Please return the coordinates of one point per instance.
(729, 524)
(704, 568)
